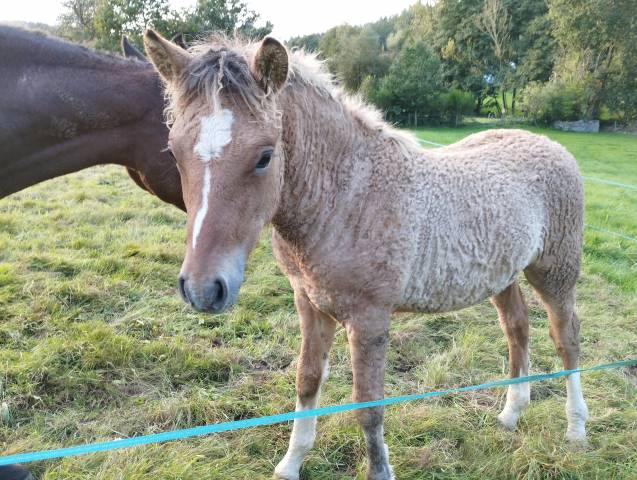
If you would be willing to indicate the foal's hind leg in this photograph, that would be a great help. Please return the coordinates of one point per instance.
(514, 321)
(317, 331)
(558, 297)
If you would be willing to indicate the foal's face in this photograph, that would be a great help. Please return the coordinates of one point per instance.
(231, 172)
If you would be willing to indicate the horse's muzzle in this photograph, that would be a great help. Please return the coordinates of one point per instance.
(210, 296)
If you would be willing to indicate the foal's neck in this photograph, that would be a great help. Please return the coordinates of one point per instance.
(331, 149)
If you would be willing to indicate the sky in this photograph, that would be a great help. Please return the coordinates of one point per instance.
(290, 17)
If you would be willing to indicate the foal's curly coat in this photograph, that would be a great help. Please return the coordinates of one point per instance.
(365, 221)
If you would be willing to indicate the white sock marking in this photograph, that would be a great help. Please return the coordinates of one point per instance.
(214, 135)
(518, 398)
(576, 410)
(302, 438)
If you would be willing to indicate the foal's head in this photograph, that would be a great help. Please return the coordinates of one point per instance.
(225, 139)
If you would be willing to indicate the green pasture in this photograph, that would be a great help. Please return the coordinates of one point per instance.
(95, 344)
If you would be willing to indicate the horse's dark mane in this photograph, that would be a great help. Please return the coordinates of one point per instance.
(37, 46)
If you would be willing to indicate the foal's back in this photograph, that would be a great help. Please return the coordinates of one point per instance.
(483, 210)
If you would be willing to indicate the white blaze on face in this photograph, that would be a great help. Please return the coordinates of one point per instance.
(214, 135)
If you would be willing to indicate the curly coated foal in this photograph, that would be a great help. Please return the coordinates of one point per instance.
(365, 221)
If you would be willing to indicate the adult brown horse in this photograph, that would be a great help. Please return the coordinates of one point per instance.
(365, 221)
(64, 108)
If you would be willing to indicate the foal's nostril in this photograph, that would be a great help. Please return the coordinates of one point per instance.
(217, 294)
(222, 294)
(182, 288)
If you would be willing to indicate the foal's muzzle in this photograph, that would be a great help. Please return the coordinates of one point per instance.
(214, 290)
(211, 297)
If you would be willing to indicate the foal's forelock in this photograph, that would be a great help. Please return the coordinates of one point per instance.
(220, 69)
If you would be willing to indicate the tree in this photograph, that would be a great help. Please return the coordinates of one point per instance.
(413, 25)
(454, 104)
(493, 45)
(227, 16)
(353, 53)
(598, 39)
(78, 20)
(309, 43)
(495, 22)
(412, 85)
(114, 18)
(103, 22)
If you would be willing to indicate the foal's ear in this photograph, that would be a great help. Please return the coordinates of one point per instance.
(270, 65)
(169, 59)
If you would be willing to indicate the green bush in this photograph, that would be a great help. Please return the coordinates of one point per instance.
(551, 101)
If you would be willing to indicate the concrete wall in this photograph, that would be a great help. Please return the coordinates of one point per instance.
(578, 126)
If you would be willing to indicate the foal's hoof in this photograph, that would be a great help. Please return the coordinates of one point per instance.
(507, 421)
(14, 472)
(280, 474)
(387, 474)
(576, 442)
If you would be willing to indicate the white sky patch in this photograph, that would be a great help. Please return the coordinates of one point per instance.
(214, 135)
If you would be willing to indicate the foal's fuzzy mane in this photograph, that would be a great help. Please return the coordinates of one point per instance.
(223, 63)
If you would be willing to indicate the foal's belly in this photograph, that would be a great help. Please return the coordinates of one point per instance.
(456, 292)
(452, 276)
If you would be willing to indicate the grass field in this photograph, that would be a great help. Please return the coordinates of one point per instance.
(95, 344)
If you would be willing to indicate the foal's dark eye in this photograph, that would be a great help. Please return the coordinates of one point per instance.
(264, 161)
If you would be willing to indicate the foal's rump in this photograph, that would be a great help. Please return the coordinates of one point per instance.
(493, 204)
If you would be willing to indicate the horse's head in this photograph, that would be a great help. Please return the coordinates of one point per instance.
(225, 139)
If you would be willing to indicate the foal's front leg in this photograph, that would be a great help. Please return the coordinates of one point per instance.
(317, 331)
(368, 340)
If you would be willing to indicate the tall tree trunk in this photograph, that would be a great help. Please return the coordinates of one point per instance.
(478, 105)
(513, 101)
